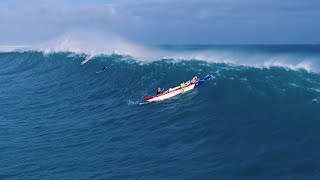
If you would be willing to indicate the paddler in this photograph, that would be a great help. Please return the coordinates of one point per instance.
(159, 91)
(181, 85)
(194, 79)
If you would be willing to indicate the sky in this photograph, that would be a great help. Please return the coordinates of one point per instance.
(163, 21)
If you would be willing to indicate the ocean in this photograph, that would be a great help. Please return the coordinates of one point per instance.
(258, 118)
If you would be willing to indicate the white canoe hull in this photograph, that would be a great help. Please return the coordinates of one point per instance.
(170, 93)
(177, 90)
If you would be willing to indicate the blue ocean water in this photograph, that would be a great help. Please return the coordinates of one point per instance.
(259, 117)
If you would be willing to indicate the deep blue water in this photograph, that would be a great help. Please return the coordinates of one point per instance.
(61, 120)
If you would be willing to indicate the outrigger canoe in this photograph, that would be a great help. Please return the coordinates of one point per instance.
(177, 90)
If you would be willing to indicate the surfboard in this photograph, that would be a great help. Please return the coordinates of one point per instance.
(98, 72)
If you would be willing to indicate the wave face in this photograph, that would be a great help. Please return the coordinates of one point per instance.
(60, 119)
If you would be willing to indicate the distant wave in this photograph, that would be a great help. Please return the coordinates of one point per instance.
(14, 48)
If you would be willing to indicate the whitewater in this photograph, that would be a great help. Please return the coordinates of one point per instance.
(258, 118)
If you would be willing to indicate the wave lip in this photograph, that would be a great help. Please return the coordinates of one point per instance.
(293, 57)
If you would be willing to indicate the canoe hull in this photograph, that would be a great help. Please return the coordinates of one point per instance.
(177, 90)
(170, 93)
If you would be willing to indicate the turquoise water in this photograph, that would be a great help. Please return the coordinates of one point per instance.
(259, 117)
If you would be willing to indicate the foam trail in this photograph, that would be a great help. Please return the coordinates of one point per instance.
(88, 58)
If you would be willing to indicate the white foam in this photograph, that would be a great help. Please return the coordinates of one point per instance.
(307, 65)
(93, 43)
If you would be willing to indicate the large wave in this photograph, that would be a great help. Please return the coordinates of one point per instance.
(141, 77)
(94, 44)
(245, 119)
(264, 59)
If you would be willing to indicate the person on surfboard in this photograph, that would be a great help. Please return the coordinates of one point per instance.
(102, 70)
